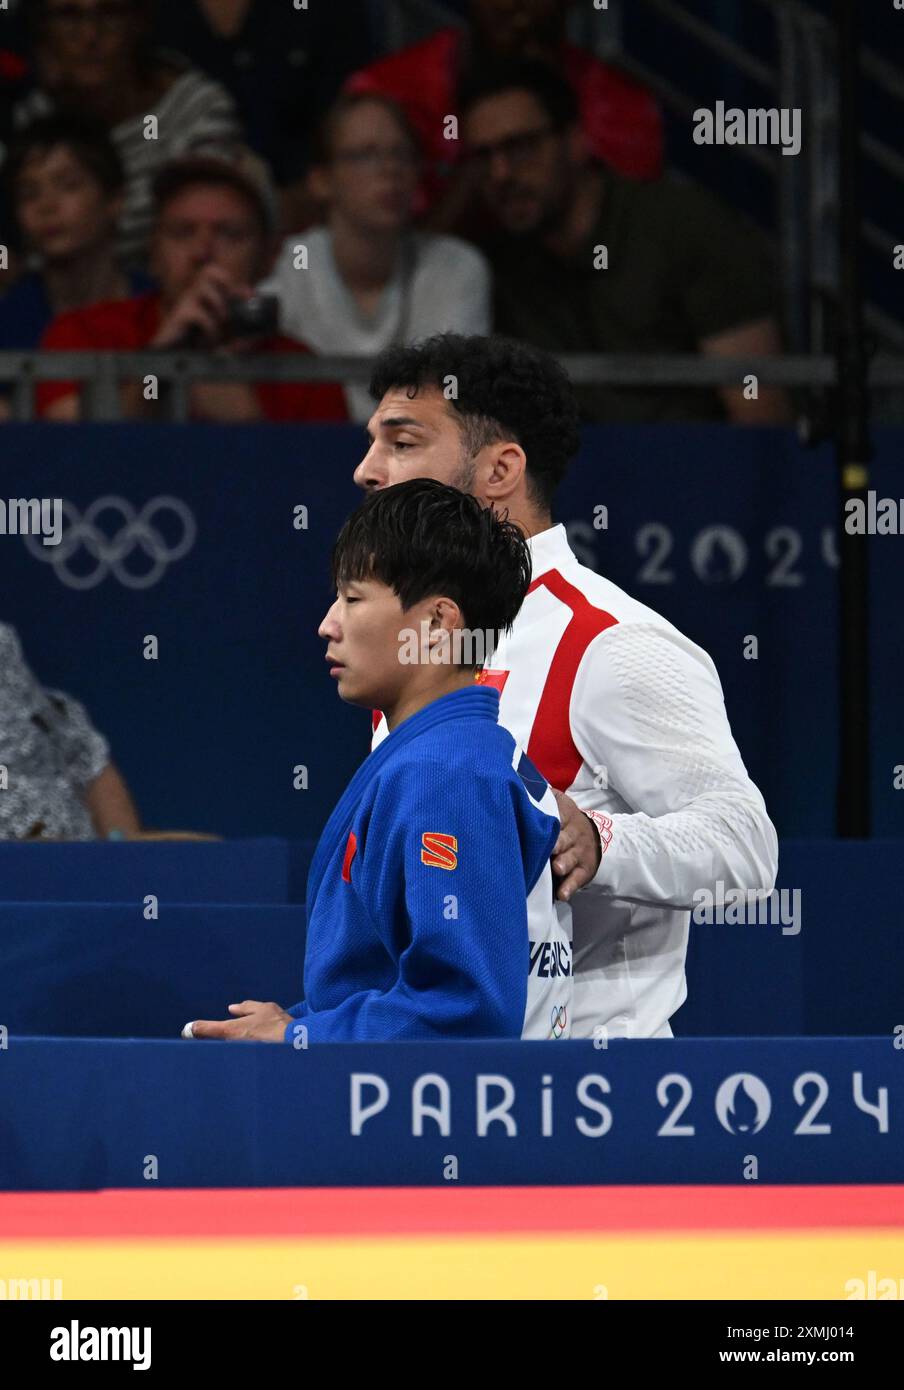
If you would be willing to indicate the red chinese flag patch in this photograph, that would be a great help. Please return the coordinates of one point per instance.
(496, 679)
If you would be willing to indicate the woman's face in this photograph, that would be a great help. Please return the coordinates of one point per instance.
(62, 208)
(373, 173)
(89, 44)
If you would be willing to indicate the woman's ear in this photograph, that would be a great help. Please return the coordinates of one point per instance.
(445, 617)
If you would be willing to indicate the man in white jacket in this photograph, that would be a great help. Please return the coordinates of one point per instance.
(619, 711)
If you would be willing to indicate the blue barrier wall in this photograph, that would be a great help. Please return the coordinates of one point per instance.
(105, 970)
(91, 963)
(79, 1114)
(729, 533)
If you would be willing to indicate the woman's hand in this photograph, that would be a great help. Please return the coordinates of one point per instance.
(252, 1021)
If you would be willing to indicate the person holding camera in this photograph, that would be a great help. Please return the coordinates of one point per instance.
(212, 240)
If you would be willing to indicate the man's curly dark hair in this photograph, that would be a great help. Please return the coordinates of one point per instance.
(502, 390)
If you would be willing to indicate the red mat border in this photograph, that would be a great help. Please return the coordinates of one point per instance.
(387, 1211)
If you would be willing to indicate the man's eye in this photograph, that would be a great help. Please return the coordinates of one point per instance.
(352, 600)
(400, 444)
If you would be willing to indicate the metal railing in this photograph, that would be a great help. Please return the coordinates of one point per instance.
(102, 373)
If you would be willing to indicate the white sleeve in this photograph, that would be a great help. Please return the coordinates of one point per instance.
(456, 290)
(647, 713)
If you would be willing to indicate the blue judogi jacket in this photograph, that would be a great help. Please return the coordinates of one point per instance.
(417, 892)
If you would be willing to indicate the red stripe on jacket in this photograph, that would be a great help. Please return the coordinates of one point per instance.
(553, 750)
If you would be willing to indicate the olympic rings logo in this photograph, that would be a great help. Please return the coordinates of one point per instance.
(558, 1021)
(136, 532)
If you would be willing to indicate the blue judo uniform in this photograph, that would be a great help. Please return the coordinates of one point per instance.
(431, 911)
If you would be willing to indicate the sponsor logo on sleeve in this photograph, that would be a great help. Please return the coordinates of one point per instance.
(604, 826)
(439, 851)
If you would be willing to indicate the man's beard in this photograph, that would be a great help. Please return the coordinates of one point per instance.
(549, 218)
(464, 479)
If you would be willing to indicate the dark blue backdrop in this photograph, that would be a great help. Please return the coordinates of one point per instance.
(79, 1114)
(79, 958)
(727, 532)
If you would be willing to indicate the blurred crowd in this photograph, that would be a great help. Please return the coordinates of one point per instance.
(245, 176)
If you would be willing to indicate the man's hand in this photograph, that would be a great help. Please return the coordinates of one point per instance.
(577, 852)
(253, 1020)
(201, 311)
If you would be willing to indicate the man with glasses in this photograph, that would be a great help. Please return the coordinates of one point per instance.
(619, 117)
(587, 261)
(365, 279)
(95, 58)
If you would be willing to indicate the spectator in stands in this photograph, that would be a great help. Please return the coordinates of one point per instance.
(368, 279)
(212, 240)
(65, 184)
(95, 57)
(621, 120)
(14, 82)
(282, 64)
(591, 262)
(59, 781)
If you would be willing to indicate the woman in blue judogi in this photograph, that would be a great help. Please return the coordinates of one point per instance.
(431, 910)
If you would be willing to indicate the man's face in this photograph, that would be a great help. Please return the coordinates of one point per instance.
(519, 28)
(87, 44)
(205, 225)
(372, 174)
(525, 165)
(363, 634)
(62, 208)
(415, 437)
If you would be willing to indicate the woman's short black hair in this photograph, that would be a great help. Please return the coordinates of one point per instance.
(86, 139)
(422, 538)
(503, 390)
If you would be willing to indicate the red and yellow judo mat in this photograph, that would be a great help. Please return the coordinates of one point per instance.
(473, 1243)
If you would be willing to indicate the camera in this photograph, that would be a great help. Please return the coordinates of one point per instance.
(257, 316)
